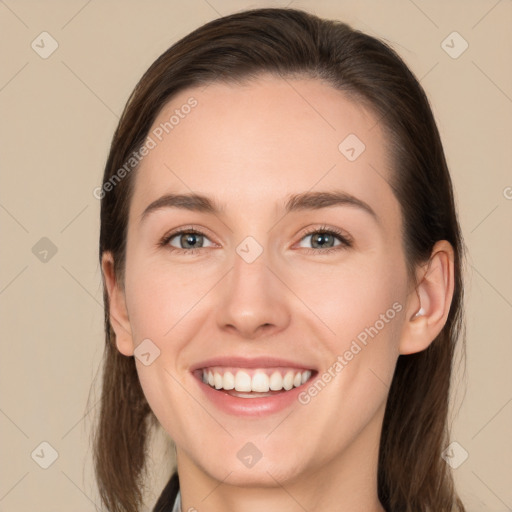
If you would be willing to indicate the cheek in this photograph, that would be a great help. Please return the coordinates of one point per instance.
(161, 295)
(168, 400)
(351, 296)
(360, 308)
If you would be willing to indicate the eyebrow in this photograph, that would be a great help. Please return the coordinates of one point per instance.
(294, 203)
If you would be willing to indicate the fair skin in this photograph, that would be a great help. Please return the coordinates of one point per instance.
(249, 148)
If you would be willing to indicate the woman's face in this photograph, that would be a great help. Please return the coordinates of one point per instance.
(293, 276)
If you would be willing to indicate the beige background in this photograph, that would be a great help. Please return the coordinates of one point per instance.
(57, 119)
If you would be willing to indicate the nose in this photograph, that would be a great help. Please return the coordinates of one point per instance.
(253, 300)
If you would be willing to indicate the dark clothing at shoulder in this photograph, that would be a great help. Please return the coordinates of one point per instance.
(166, 500)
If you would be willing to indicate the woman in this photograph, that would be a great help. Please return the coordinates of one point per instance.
(282, 267)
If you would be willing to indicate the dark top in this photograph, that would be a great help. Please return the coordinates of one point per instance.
(167, 499)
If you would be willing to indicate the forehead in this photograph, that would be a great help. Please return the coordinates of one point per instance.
(251, 145)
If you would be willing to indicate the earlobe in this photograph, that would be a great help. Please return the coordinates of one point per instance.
(433, 297)
(118, 312)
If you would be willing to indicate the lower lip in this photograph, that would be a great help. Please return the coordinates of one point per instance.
(261, 406)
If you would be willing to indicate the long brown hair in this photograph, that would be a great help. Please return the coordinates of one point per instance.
(412, 476)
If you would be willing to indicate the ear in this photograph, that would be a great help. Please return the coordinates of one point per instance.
(433, 293)
(118, 312)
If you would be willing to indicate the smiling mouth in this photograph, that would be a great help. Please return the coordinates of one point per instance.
(253, 382)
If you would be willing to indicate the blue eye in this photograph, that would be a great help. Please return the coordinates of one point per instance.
(325, 239)
(189, 240)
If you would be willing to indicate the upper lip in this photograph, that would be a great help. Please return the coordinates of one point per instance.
(253, 362)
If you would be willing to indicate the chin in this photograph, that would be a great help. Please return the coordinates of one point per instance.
(262, 473)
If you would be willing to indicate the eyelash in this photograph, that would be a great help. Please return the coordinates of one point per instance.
(346, 242)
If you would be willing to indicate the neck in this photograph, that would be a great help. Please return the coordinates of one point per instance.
(345, 483)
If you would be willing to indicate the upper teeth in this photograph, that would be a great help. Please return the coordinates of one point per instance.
(261, 380)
